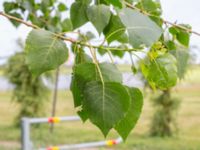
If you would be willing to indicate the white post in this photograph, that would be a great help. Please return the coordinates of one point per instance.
(25, 134)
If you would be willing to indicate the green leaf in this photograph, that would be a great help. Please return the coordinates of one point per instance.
(78, 14)
(84, 1)
(173, 30)
(77, 93)
(161, 72)
(183, 38)
(182, 57)
(9, 6)
(115, 31)
(102, 51)
(141, 29)
(115, 3)
(83, 115)
(131, 1)
(125, 126)
(82, 57)
(17, 15)
(85, 72)
(62, 7)
(44, 51)
(181, 35)
(27, 5)
(88, 72)
(45, 4)
(150, 6)
(101, 2)
(115, 51)
(170, 45)
(66, 25)
(106, 104)
(99, 15)
(118, 53)
(35, 20)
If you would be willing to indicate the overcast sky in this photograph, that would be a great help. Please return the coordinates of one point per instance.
(182, 11)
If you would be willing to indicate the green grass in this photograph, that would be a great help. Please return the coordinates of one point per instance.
(188, 137)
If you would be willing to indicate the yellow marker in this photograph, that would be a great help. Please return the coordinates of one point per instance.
(109, 143)
(56, 120)
(53, 148)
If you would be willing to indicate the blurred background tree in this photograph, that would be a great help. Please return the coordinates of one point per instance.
(165, 112)
(165, 105)
(29, 91)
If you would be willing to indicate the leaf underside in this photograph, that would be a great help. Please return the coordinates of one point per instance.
(141, 29)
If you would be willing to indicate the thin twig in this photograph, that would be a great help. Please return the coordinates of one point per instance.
(59, 35)
(34, 26)
(19, 20)
(55, 93)
(182, 27)
(87, 45)
(110, 55)
(164, 21)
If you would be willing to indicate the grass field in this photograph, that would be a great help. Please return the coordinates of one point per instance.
(188, 137)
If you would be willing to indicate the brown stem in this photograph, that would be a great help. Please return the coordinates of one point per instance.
(19, 20)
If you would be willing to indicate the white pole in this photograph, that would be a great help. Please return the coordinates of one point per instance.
(27, 144)
(25, 134)
(84, 145)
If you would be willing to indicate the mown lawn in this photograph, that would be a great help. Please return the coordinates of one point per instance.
(188, 137)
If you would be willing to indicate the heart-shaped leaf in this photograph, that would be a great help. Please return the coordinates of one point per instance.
(141, 29)
(44, 51)
(106, 104)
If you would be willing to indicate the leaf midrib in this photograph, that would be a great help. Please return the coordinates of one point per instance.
(103, 90)
(49, 49)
